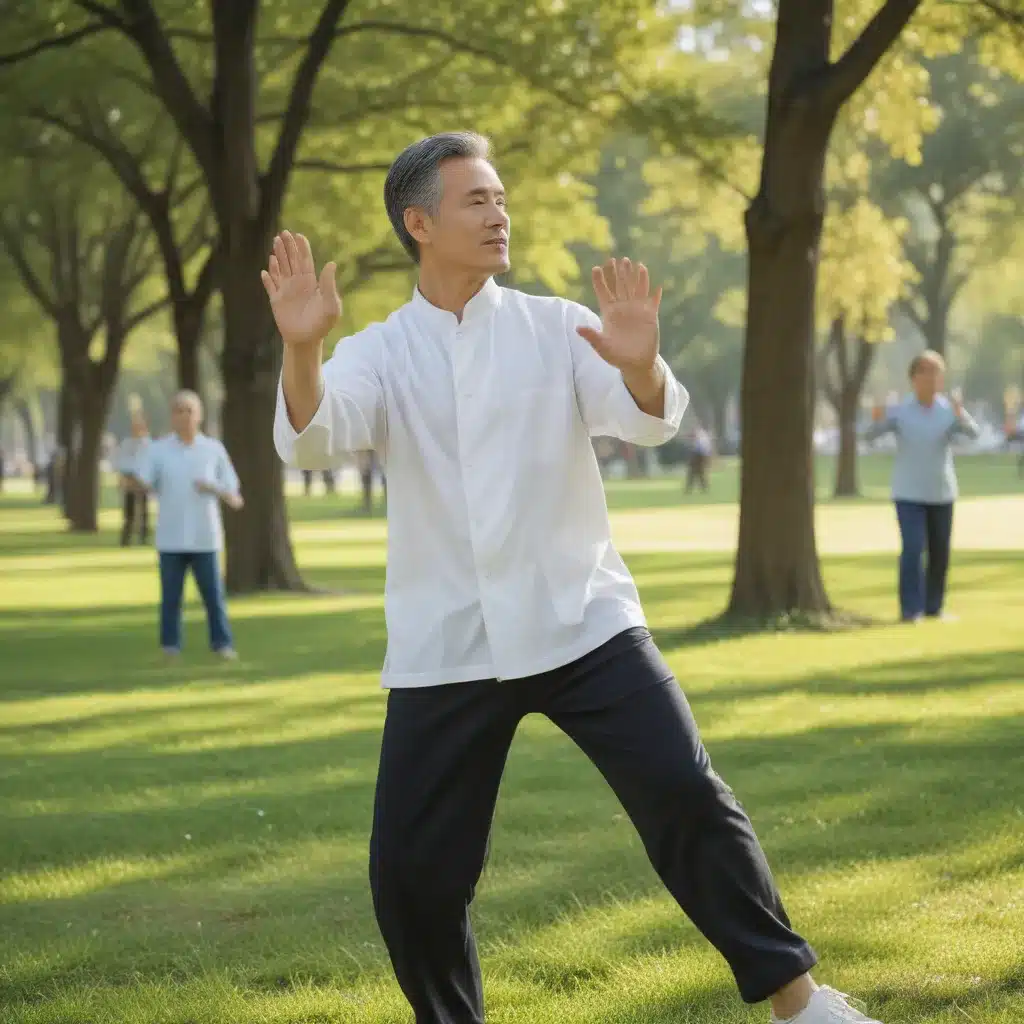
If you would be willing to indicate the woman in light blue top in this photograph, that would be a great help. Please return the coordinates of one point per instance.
(924, 485)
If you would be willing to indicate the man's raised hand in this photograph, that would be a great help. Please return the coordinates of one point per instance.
(628, 338)
(305, 308)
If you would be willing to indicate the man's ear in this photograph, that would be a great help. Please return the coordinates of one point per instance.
(417, 223)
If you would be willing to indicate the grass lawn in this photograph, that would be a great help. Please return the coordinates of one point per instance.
(187, 843)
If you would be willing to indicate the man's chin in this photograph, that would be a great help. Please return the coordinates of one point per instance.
(501, 264)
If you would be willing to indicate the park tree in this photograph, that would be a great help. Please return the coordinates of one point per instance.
(965, 197)
(821, 54)
(863, 274)
(82, 252)
(260, 92)
(661, 211)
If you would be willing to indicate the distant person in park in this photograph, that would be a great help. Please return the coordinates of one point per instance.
(924, 484)
(504, 594)
(190, 474)
(699, 459)
(307, 482)
(369, 467)
(130, 456)
(1016, 436)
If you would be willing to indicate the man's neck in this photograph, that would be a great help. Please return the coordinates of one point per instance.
(449, 291)
(188, 439)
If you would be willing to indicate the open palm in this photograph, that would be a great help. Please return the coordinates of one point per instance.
(628, 338)
(305, 308)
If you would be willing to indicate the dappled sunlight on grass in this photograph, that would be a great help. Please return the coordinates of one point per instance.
(186, 842)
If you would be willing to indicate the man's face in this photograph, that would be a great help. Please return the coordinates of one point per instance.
(185, 416)
(471, 228)
(927, 382)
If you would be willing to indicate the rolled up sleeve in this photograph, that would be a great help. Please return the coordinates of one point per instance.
(350, 417)
(606, 405)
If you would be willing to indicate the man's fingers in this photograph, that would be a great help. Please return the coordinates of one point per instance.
(656, 298)
(621, 279)
(292, 250)
(283, 266)
(275, 270)
(643, 282)
(305, 255)
(269, 284)
(611, 277)
(329, 286)
(601, 289)
(628, 277)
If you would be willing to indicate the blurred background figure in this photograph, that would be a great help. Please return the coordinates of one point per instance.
(698, 459)
(369, 467)
(924, 484)
(191, 474)
(130, 455)
(307, 482)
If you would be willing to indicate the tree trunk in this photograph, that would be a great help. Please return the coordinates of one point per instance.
(777, 572)
(188, 331)
(28, 426)
(846, 461)
(936, 328)
(719, 406)
(777, 568)
(259, 552)
(67, 432)
(83, 481)
(844, 396)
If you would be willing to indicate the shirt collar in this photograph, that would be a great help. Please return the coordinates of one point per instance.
(478, 308)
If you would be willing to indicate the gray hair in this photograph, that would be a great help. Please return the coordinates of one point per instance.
(414, 179)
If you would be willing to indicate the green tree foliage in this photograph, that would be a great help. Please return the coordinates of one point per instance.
(293, 109)
(965, 196)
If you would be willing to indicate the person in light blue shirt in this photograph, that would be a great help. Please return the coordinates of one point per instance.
(191, 474)
(924, 484)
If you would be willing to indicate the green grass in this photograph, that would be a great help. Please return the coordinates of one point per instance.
(187, 843)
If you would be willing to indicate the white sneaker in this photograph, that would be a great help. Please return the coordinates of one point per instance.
(827, 1006)
(227, 653)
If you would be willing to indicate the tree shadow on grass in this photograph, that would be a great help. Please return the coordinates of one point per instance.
(122, 654)
(561, 843)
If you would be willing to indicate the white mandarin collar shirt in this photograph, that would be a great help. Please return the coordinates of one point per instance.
(500, 559)
(188, 521)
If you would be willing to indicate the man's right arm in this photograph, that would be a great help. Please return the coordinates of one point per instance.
(324, 412)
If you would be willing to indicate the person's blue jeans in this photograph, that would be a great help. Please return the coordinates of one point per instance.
(206, 571)
(924, 528)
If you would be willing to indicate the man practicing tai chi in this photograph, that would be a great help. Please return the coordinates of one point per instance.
(504, 593)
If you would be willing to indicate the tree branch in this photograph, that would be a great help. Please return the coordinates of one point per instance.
(106, 15)
(33, 284)
(298, 107)
(53, 43)
(333, 168)
(145, 313)
(143, 27)
(1013, 18)
(848, 73)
